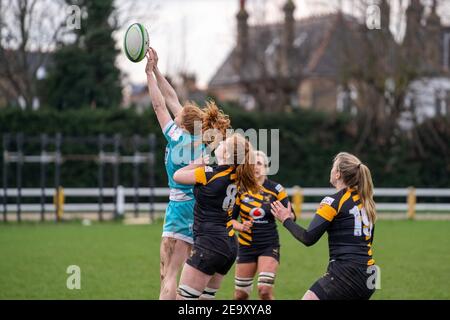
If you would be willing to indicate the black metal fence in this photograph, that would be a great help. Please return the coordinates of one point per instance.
(49, 153)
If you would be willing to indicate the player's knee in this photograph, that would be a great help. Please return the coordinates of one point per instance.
(186, 292)
(162, 267)
(169, 281)
(167, 275)
(265, 292)
(243, 288)
(240, 295)
(171, 269)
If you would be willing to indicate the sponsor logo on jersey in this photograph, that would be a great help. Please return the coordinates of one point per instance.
(327, 200)
(279, 187)
(257, 213)
(208, 169)
(247, 199)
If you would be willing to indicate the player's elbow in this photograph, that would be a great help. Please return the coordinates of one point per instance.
(309, 241)
(305, 239)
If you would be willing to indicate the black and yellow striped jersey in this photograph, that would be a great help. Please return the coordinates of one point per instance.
(350, 232)
(256, 207)
(215, 194)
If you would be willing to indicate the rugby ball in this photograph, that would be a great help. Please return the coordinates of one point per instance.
(136, 42)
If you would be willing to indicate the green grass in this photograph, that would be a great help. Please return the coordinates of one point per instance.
(122, 262)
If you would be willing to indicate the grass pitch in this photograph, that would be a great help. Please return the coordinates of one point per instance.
(122, 262)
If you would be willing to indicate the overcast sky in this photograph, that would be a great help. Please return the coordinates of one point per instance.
(197, 35)
(209, 30)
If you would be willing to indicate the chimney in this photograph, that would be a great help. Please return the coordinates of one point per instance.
(414, 12)
(434, 48)
(434, 20)
(385, 16)
(288, 36)
(414, 15)
(242, 35)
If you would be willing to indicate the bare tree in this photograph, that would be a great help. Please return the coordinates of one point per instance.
(386, 63)
(29, 30)
(130, 11)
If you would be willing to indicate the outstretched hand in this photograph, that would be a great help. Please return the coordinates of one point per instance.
(150, 62)
(281, 212)
(155, 56)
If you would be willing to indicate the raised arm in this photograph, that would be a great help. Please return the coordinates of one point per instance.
(186, 175)
(316, 229)
(167, 90)
(156, 97)
(193, 173)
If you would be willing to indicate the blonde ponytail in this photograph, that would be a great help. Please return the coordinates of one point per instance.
(365, 191)
(357, 175)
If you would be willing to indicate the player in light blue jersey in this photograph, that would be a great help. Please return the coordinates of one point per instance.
(184, 145)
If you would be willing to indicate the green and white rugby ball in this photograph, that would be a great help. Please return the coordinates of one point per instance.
(136, 42)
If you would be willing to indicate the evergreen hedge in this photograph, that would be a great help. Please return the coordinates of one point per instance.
(308, 142)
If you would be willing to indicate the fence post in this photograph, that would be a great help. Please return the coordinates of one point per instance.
(101, 139)
(5, 176)
(412, 199)
(58, 161)
(58, 200)
(19, 164)
(136, 143)
(120, 201)
(116, 164)
(297, 201)
(42, 171)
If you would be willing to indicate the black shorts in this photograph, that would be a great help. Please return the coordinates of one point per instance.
(247, 254)
(343, 281)
(211, 262)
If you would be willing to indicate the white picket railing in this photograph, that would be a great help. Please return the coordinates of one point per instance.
(116, 199)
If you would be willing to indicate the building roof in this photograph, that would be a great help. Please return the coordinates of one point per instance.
(313, 53)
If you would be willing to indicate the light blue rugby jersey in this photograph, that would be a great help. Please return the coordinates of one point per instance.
(180, 150)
